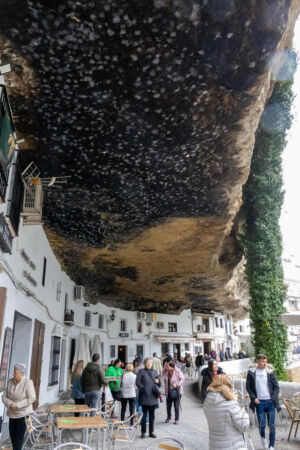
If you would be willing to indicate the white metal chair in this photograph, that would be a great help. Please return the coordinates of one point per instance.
(38, 434)
(125, 432)
(73, 446)
(166, 444)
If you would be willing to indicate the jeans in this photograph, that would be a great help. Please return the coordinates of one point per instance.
(78, 401)
(17, 428)
(131, 402)
(151, 410)
(91, 399)
(263, 409)
(176, 407)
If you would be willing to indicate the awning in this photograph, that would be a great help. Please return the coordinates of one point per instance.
(175, 339)
(291, 318)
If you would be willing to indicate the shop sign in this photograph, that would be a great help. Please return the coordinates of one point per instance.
(5, 235)
(123, 334)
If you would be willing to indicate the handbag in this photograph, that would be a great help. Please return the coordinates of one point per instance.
(155, 389)
(118, 395)
(173, 394)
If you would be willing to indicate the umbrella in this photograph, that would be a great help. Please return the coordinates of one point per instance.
(79, 353)
(96, 345)
(291, 318)
(87, 349)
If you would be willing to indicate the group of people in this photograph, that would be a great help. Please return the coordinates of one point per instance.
(139, 387)
(227, 420)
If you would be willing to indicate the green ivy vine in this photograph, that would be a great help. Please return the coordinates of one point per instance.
(263, 198)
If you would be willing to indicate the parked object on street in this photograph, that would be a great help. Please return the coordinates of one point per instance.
(227, 421)
(148, 383)
(208, 375)
(18, 398)
(263, 389)
(173, 380)
(128, 392)
(294, 413)
(93, 379)
(124, 432)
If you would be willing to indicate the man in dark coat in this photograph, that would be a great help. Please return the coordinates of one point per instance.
(208, 375)
(199, 361)
(263, 389)
(92, 380)
(148, 384)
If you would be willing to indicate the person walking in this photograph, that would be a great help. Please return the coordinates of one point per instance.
(188, 360)
(18, 397)
(117, 372)
(76, 382)
(157, 364)
(227, 421)
(92, 380)
(173, 380)
(199, 362)
(213, 354)
(128, 392)
(263, 389)
(208, 375)
(148, 384)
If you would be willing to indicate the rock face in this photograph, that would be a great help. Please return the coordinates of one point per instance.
(151, 107)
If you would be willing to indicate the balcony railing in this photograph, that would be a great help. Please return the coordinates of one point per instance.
(69, 317)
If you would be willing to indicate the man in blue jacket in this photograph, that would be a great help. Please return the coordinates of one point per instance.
(263, 389)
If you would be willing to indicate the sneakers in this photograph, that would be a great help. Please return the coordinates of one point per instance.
(271, 448)
(264, 442)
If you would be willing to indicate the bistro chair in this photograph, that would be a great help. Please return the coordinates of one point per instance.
(72, 446)
(294, 415)
(38, 434)
(166, 444)
(125, 432)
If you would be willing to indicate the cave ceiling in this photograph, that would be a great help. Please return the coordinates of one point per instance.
(151, 107)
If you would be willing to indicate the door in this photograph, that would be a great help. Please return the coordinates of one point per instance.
(2, 306)
(37, 358)
(176, 350)
(207, 348)
(122, 353)
(62, 365)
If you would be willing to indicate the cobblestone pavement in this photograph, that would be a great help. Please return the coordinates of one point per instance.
(192, 430)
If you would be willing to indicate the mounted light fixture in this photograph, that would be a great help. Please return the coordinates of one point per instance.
(112, 315)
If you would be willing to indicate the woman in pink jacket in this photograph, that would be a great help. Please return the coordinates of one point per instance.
(174, 380)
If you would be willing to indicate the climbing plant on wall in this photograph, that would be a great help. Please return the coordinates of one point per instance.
(263, 198)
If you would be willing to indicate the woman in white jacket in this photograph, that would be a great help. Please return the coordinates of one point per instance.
(128, 392)
(227, 421)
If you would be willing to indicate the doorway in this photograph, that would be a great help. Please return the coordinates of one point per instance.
(176, 350)
(122, 353)
(62, 365)
(21, 342)
(207, 347)
(37, 357)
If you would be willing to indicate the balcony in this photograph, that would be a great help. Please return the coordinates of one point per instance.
(69, 318)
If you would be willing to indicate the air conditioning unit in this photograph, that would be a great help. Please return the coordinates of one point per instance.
(160, 325)
(150, 317)
(141, 315)
(79, 292)
(201, 328)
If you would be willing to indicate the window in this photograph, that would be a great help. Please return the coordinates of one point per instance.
(241, 329)
(139, 327)
(101, 321)
(172, 327)
(217, 322)
(123, 325)
(66, 302)
(205, 322)
(87, 319)
(198, 349)
(187, 347)
(112, 351)
(140, 350)
(58, 291)
(44, 272)
(221, 323)
(164, 348)
(54, 360)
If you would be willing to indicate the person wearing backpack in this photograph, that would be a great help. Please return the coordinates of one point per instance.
(174, 379)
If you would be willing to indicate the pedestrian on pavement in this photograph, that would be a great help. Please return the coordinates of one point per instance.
(199, 362)
(189, 365)
(76, 382)
(139, 364)
(157, 364)
(174, 379)
(18, 397)
(227, 421)
(222, 356)
(92, 380)
(213, 354)
(128, 392)
(117, 372)
(263, 389)
(208, 375)
(148, 384)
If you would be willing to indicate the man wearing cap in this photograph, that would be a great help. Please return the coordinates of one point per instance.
(18, 398)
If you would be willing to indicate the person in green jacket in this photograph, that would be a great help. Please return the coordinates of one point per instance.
(115, 371)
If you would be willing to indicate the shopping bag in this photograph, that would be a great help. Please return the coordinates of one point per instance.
(108, 396)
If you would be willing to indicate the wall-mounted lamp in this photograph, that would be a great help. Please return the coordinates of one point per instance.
(112, 315)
